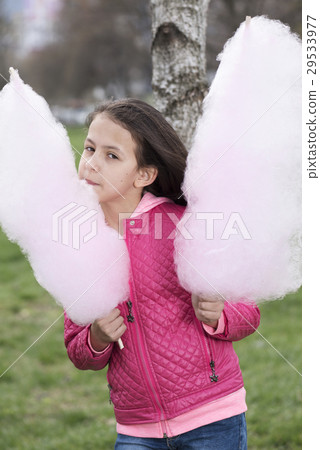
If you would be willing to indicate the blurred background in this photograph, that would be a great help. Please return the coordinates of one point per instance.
(78, 52)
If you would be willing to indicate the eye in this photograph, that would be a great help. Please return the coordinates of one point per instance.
(112, 156)
(89, 149)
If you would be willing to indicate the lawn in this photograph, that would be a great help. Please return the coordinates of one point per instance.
(48, 404)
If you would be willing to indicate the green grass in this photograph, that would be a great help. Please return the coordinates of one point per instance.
(273, 385)
(46, 403)
(77, 137)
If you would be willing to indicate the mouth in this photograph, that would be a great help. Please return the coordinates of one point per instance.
(91, 182)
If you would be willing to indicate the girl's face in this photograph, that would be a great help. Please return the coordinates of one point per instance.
(108, 161)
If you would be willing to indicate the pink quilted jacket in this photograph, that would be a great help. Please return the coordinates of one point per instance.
(169, 364)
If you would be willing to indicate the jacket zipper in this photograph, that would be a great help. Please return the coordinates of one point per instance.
(213, 377)
(209, 353)
(149, 378)
(145, 367)
(130, 315)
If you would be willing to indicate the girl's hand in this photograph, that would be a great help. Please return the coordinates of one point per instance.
(207, 311)
(106, 330)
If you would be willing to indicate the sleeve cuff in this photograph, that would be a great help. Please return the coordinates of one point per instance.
(94, 352)
(220, 328)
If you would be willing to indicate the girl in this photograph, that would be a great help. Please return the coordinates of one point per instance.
(177, 383)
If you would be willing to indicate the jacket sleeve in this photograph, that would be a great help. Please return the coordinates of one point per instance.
(78, 349)
(241, 320)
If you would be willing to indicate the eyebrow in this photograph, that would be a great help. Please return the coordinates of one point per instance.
(110, 147)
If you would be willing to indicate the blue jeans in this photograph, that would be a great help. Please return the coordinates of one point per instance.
(227, 434)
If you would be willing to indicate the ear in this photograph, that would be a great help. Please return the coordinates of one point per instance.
(146, 176)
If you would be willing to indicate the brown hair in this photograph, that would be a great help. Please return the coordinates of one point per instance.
(158, 144)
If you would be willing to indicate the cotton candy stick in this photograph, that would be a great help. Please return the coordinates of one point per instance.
(245, 166)
(55, 217)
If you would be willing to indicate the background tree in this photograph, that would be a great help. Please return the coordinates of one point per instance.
(179, 49)
(108, 44)
(111, 45)
(225, 16)
(98, 43)
(179, 79)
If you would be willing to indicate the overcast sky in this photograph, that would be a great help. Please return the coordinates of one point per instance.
(33, 20)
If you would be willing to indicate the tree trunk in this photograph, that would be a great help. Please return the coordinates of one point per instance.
(179, 61)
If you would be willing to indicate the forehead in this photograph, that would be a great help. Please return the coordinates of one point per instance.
(105, 132)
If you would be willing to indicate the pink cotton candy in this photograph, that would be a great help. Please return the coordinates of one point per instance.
(245, 163)
(38, 180)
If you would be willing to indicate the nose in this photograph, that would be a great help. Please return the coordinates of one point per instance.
(92, 163)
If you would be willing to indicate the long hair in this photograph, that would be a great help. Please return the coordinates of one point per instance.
(157, 143)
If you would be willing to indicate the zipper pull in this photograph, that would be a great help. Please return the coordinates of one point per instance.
(213, 377)
(109, 387)
(130, 315)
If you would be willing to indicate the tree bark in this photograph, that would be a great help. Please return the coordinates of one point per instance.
(179, 79)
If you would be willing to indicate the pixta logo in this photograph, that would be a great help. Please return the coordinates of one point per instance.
(230, 225)
(71, 222)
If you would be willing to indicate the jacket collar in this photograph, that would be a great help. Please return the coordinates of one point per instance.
(148, 202)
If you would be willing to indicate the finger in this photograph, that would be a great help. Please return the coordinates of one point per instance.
(114, 313)
(110, 327)
(211, 306)
(119, 332)
(216, 300)
(116, 323)
(209, 316)
(197, 299)
(104, 321)
(194, 299)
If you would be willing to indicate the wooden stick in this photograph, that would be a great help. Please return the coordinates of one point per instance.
(120, 343)
(248, 19)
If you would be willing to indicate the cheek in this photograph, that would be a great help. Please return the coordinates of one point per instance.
(81, 168)
(125, 178)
